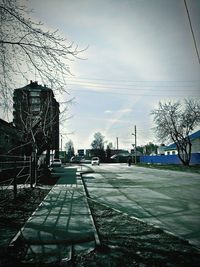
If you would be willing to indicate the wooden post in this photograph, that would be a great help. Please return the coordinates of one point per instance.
(32, 170)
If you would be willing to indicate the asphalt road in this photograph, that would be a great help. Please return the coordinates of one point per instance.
(167, 199)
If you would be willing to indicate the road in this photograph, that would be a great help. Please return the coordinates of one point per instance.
(167, 199)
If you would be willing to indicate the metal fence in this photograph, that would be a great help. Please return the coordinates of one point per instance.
(16, 172)
(169, 159)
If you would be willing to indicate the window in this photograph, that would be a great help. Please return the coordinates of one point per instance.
(35, 107)
(35, 100)
(35, 93)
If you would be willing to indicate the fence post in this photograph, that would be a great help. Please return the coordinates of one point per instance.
(15, 179)
(32, 170)
(35, 166)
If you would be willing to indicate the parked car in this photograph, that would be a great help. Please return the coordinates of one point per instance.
(95, 161)
(56, 163)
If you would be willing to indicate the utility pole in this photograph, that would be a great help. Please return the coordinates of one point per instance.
(117, 144)
(135, 134)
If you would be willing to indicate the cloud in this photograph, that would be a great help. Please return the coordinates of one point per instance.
(108, 111)
(125, 110)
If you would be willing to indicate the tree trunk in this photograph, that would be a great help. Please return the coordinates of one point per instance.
(184, 154)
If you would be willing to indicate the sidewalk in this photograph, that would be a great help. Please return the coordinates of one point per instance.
(61, 221)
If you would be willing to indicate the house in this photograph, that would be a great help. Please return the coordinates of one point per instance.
(161, 150)
(195, 140)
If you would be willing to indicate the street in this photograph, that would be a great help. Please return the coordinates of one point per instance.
(167, 199)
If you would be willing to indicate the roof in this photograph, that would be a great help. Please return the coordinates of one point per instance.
(35, 86)
(192, 137)
(7, 124)
(195, 135)
(123, 154)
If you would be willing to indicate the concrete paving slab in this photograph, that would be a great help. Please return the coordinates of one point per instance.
(63, 219)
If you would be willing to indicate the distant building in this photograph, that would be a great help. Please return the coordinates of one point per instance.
(138, 153)
(118, 151)
(36, 115)
(120, 155)
(9, 138)
(81, 152)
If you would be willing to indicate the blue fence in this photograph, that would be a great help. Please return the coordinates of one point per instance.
(169, 159)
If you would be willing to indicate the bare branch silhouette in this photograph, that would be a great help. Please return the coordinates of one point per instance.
(27, 50)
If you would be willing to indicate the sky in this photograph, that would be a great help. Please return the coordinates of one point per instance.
(139, 52)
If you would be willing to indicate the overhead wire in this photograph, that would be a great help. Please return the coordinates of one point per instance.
(192, 31)
(107, 86)
(165, 93)
(134, 81)
(135, 86)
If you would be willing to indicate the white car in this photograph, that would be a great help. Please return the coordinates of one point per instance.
(95, 161)
(56, 163)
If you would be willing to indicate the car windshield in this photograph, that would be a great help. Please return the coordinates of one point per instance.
(56, 160)
(95, 159)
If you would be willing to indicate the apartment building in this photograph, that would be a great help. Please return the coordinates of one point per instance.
(36, 116)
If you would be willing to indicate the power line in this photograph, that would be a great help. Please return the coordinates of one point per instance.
(192, 31)
(136, 81)
(135, 86)
(137, 94)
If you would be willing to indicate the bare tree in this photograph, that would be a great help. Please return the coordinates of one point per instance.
(26, 49)
(98, 142)
(175, 122)
(98, 145)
